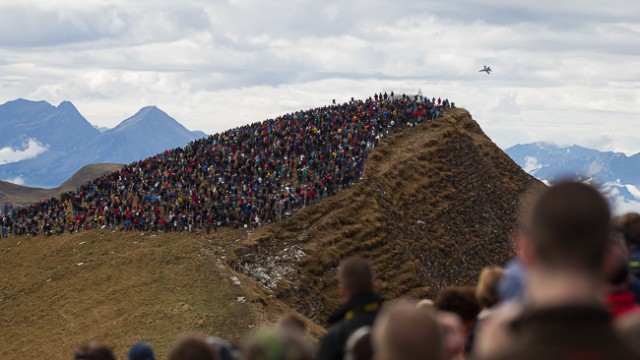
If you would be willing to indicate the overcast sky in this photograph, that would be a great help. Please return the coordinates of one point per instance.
(564, 72)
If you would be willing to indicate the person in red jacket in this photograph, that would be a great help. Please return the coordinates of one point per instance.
(619, 298)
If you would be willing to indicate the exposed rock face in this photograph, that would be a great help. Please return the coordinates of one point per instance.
(436, 204)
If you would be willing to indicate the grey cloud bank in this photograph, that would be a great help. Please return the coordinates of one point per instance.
(563, 72)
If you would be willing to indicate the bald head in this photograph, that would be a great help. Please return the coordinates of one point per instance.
(404, 332)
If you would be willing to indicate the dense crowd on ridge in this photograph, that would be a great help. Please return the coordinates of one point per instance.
(246, 176)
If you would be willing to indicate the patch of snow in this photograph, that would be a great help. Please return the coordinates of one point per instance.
(80, 264)
(241, 299)
(618, 194)
(82, 243)
(594, 168)
(235, 281)
(531, 165)
(633, 190)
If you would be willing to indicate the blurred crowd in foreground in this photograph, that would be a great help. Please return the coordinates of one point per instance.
(571, 292)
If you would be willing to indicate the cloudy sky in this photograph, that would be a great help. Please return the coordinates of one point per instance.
(563, 72)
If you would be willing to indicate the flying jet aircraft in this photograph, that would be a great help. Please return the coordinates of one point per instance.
(486, 69)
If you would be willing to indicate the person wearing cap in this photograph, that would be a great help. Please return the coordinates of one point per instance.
(141, 351)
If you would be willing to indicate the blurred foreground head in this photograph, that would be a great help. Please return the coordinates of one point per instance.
(193, 348)
(94, 351)
(405, 332)
(567, 228)
(355, 276)
(141, 351)
(277, 344)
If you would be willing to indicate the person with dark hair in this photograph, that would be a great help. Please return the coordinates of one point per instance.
(193, 348)
(94, 351)
(360, 306)
(460, 300)
(628, 225)
(404, 332)
(565, 238)
(619, 299)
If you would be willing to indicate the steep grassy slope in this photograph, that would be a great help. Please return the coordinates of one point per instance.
(20, 196)
(435, 205)
(61, 291)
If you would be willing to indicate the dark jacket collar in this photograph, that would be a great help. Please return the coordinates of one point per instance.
(368, 302)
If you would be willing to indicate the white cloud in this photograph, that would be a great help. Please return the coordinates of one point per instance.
(30, 149)
(562, 73)
(18, 180)
(623, 206)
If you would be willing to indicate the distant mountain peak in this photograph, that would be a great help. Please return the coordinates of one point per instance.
(73, 142)
(67, 106)
(147, 116)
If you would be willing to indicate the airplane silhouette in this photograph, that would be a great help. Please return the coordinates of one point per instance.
(486, 69)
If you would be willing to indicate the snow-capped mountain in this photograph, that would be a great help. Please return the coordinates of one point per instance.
(43, 145)
(616, 173)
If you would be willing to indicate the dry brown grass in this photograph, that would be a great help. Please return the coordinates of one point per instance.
(436, 204)
(118, 288)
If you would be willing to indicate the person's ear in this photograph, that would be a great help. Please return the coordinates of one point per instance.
(527, 253)
(342, 292)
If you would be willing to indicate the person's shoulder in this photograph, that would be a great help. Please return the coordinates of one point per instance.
(330, 346)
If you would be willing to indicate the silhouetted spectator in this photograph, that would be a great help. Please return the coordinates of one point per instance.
(361, 305)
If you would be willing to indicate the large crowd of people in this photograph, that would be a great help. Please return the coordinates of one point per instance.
(577, 299)
(254, 174)
(572, 290)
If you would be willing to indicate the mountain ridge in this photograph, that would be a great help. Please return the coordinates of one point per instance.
(47, 144)
(617, 173)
